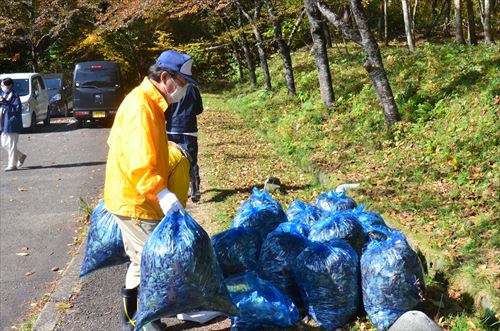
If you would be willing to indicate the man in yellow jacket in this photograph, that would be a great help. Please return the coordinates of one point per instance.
(145, 179)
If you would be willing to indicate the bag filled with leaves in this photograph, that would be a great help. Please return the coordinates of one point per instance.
(260, 198)
(180, 272)
(237, 250)
(328, 278)
(260, 304)
(303, 213)
(277, 256)
(368, 219)
(294, 228)
(104, 246)
(260, 213)
(335, 201)
(392, 277)
(339, 225)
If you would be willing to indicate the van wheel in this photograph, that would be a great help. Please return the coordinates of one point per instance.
(46, 121)
(33, 123)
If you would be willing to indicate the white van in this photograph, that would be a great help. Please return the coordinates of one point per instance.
(33, 94)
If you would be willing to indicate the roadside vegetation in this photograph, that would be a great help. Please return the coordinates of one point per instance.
(435, 177)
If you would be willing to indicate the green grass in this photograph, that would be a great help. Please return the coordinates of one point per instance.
(435, 177)
(28, 325)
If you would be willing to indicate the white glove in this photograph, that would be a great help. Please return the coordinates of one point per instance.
(168, 202)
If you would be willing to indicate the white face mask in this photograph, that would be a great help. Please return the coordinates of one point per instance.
(5, 89)
(178, 94)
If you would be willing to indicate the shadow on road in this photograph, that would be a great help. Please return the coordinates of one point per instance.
(60, 126)
(68, 165)
(66, 124)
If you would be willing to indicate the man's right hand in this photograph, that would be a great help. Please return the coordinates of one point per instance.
(168, 202)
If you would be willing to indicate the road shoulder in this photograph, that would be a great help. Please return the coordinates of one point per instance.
(49, 315)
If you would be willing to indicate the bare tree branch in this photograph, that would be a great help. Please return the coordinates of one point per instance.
(339, 23)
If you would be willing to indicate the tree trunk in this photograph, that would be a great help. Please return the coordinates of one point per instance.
(283, 48)
(225, 20)
(133, 52)
(488, 36)
(295, 27)
(485, 11)
(262, 56)
(459, 34)
(471, 28)
(373, 64)
(408, 29)
(435, 16)
(34, 58)
(259, 42)
(413, 17)
(380, 22)
(246, 50)
(328, 37)
(33, 51)
(446, 24)
(386, 36)
(320, 54)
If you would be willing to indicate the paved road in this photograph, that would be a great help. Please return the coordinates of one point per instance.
(38, 209)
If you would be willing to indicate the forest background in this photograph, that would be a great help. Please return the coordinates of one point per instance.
(402, 97)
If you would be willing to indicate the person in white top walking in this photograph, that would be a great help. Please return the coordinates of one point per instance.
(11, 124)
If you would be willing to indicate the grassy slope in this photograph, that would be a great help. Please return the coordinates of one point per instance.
(436, 178)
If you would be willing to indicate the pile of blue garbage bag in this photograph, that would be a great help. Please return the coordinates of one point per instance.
(331, 261)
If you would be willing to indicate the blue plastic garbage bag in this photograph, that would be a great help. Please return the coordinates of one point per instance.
(392, 278)
(302, 212)
(368, 219)
(260, 213)
(259, 198)
(335, 201)
(328, 278)
(237, 250)
(180, 272)
(294, 228)
(277, 256)
(339, 225)
(260, 304)
(104, 246)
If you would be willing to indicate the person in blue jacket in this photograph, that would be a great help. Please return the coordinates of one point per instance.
(182, 128)
(11, 124)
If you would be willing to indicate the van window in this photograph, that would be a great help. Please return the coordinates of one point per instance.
(53, 83)
(96, 76)
(22, 87)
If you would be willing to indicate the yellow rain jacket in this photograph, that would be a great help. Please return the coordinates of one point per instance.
(140, 163)
(178, 176)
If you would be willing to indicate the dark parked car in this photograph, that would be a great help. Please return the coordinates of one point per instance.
(58, 94)
(97, 91)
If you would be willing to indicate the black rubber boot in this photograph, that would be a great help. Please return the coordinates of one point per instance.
(128, 308)
(195, 189)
